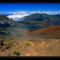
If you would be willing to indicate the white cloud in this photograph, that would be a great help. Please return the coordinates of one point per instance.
(21, 14)
(17, 15)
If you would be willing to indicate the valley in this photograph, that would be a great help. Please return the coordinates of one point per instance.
(37, 35)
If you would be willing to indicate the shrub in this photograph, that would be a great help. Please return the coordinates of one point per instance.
(2, 49)
(8, 43)
(43, 34)
(27, 43)
(16, 52)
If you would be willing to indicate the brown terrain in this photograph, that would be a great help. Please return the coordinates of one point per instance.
(23, 46)
(52, 31)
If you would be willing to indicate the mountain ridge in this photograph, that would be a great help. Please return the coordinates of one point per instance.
(36, 20)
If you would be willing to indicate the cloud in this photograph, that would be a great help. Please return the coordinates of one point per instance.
(17, 15)
(21, 14)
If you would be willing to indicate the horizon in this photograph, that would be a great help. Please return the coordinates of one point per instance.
(16, 11)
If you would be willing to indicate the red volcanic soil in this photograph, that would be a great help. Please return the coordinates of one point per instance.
(50, 31)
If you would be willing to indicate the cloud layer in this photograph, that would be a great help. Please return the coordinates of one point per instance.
(21, 14)
(17, 15)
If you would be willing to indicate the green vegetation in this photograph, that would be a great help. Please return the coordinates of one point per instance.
(5, 45)
(16, 52)
(8, 44)
(1, 45)
(43, 34)
(27, 43)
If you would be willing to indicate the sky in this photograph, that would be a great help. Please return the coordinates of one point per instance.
(17, 11)
(29, 7)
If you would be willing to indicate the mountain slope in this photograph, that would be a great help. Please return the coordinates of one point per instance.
(51, 32)
(37, 21)
(8, 26)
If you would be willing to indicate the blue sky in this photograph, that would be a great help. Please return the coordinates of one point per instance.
(29, 7)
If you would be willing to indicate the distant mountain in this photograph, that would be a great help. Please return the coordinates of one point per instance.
(9, 27)
(5, 24)
(40, 20)
(32, 22)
